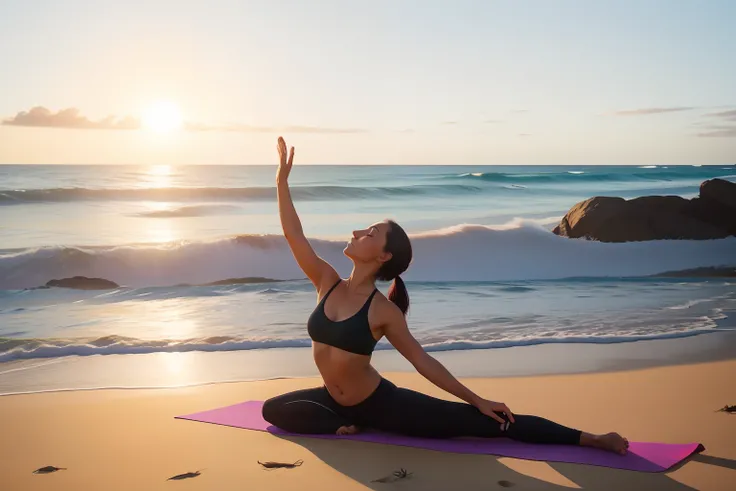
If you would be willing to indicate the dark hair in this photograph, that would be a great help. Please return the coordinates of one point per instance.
(399, 245)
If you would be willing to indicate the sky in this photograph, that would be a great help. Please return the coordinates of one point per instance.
(381, 82)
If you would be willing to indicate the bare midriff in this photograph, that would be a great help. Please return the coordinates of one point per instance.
(350, 378)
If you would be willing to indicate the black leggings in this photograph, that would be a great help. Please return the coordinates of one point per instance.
(397, 410)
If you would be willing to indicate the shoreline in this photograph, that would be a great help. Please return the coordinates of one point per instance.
(197, 369)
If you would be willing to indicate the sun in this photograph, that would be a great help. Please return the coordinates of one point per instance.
(162, 117)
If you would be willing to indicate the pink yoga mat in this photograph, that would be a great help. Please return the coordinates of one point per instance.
(642, 456)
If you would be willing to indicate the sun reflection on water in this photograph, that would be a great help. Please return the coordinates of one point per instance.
(158, 176)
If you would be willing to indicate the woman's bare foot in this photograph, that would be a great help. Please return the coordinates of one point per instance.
(347, 430)
(612, 442)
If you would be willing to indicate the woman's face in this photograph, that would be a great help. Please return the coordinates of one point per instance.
(368, 244)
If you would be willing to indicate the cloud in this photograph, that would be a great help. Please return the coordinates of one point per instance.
(729, 115)
(449, 122)
(492, 121)
(720, 130)
(725, 132)
(525, 134)
(39, 116)
(519, 111)
(651, 110)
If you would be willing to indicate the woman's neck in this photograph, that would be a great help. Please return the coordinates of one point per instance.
(361, 280)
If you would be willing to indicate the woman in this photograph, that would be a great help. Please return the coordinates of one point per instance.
(351, 316)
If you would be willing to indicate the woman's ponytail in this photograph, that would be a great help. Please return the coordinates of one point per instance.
(397, 294)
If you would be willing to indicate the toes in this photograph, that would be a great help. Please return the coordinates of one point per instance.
(346, 430)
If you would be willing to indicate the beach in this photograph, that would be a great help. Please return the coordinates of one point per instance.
(128, 439)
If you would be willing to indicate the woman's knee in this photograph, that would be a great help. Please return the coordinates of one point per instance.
(272, 411)
(305, 417)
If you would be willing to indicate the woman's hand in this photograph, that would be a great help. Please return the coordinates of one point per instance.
(284, 165)
(490, 408)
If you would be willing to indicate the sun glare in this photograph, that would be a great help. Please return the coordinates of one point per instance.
(163, 117)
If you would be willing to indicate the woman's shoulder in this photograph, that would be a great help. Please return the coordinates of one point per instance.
(386, 311)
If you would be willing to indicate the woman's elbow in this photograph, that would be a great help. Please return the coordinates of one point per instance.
(422, 362)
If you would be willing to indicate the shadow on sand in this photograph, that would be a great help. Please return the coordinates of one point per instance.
(365, 462)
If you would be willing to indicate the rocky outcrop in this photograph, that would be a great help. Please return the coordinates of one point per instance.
(83, 283)
(720, 191)
(712, 215)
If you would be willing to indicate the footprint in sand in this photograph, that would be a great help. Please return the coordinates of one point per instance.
(48, 469)
(280, 465)
(400, 474)
(186, 475)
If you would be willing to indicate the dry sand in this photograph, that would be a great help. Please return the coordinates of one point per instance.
(129, 439)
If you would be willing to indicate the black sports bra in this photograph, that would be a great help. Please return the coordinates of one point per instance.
(352, 334)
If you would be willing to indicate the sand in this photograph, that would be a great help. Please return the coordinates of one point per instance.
(129, 439)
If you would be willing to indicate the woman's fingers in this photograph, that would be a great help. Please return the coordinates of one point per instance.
(497, 417)
(508, 413)
(284, 167)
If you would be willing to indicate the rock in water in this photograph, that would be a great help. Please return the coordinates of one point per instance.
(608, 219)
(83, 283)
(721, 191)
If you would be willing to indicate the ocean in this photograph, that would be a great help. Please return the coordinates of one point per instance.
(488, 272)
